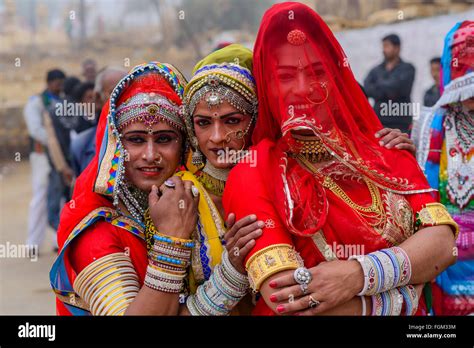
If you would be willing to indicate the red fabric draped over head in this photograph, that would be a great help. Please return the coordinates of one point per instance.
(304, 82)
(84, 199)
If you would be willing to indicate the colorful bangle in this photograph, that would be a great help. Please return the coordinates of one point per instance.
(166, 268)
(164, 274)
(387, 303)
(410, 298)
(384, 270)
(221, 292)
(171, 250)
(186, 243)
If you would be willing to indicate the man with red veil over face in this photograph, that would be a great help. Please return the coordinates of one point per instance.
(350, 226)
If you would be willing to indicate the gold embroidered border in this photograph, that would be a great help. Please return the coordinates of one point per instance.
(270, 260)
(435, 214)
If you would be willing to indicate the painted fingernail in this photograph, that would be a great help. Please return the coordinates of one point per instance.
(280, 308)
(381, 142)
(253, 217)
(261, 224)
(377, 135)
(259, 231)
(273, 284)
(273, 298)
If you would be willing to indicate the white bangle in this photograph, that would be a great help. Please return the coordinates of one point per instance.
(364, 306)
(365, 270)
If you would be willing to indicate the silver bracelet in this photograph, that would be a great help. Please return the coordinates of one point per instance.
(235, 276)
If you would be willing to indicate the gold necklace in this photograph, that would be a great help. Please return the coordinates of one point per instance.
(211, 184)
(213, 179)
(375, 211)
(312, 148)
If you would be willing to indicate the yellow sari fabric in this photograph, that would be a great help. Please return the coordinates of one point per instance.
(212, 228)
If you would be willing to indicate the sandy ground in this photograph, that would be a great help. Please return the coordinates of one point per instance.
(24, 284)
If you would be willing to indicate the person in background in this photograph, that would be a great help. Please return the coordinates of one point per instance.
(83, 146)
(89, 70)
(444, 139)
(432, 94)
(390, 83)
(34, 113)
(69, 84)
(83, 94)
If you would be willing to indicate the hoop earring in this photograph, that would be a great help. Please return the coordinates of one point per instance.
(323, 85)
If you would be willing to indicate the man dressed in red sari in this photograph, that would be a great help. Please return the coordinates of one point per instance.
(323, 183)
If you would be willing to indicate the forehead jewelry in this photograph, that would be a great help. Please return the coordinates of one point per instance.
(296, 37)
(214, 98)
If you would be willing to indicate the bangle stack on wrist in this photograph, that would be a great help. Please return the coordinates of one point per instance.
(384, 270)
(391, 302)
(168, 260)
(219, 295)
(410, 298)
(387, 303)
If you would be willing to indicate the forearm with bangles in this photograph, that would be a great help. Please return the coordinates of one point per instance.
(221, 293)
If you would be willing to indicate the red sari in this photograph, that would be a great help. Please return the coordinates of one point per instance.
(304, 82)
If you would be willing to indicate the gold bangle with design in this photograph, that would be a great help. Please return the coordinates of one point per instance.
(271, 260)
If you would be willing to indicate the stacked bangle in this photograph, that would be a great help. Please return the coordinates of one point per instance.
(168, 260)
(219, 295)
(384, 270)
(184, 243)
(391, 302)
(410, 298)
(387, 303)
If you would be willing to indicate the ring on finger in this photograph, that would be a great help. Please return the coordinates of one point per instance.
(302, 276)
(170, 184)
(195, 191)
(312, 302)
(304, 288)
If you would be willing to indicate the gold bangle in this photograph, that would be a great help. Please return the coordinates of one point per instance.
(108, 284)
(270, 260)
(435, 214)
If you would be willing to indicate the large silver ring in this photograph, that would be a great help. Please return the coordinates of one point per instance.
(302, 276)
(195, 191)
(170, 184)
(313, 302)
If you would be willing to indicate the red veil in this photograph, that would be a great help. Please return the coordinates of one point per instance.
(304, 81)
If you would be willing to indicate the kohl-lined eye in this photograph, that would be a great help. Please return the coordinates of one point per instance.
(135, 139)
(233, 120)
(165, 138)
(201, 122)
